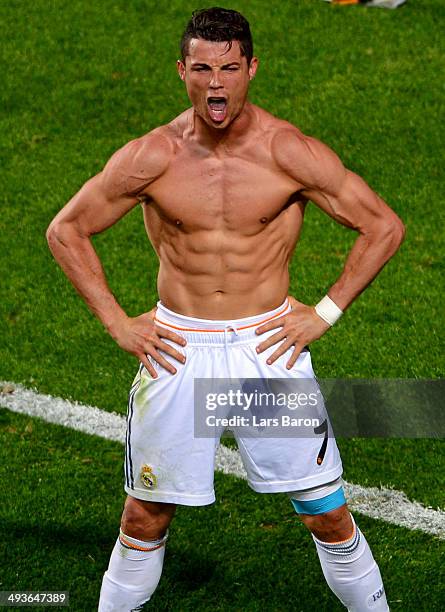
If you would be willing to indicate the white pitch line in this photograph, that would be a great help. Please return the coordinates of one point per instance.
(385, 504)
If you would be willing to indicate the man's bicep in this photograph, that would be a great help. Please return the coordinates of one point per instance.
(349, 201)
(95, 207)
(109, 195)
(333, 188)
(324, 180)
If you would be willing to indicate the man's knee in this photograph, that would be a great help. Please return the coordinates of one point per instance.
(333, 526)
(324, 511)
(146, 520)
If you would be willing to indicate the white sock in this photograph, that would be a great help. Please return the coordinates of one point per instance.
(352, 573)
(133, 574)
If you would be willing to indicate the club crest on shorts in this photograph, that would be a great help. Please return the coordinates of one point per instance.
(148, 479)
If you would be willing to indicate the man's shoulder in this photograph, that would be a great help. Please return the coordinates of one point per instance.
(274, 125)
(160, 143)
(301, 156)
(286, 140)
(156, 146)
(289, 141)
(140, 161)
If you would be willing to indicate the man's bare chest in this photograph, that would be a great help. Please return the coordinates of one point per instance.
(232, 191)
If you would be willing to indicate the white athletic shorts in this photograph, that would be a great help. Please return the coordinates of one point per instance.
(166, 462)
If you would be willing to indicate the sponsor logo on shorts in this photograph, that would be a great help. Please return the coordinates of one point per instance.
(148, 479)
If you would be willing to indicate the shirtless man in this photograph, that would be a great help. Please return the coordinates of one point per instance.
(223, 189)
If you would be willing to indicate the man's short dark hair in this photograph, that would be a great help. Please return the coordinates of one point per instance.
(218, 25)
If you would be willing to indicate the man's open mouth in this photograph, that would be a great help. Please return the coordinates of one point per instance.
(217, 108)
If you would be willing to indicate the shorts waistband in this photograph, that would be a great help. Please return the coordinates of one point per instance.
(222, 332)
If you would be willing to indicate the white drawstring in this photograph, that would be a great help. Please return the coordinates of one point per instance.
(227, 329)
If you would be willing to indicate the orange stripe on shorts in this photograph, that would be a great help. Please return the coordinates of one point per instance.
(193, 329)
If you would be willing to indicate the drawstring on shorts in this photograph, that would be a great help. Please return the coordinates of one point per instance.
(227, 329)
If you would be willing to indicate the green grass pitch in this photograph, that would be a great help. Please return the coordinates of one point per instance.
(79, 80)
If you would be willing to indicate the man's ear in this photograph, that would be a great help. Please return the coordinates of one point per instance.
(253, 67)
(181, 69)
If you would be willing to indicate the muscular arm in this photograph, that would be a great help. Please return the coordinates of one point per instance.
(346, 198)
(101, 202)
(321, 177)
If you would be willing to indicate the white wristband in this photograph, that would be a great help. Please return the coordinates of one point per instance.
(328, 310)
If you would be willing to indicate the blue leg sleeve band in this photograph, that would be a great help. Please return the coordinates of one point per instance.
(320, 506)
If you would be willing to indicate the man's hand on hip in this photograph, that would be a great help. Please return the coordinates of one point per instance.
(141, 337)
(298, 328)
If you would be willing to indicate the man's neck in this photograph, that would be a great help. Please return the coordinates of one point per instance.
(234, 134)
